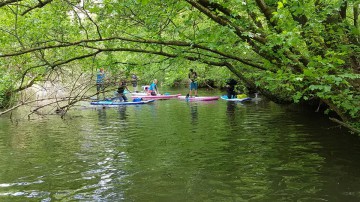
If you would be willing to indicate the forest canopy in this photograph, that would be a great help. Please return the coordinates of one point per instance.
(290, 51)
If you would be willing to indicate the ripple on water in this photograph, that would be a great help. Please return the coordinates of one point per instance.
(179, 151)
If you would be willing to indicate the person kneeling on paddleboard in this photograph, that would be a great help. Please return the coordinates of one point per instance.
(230, 88)
(153, 88)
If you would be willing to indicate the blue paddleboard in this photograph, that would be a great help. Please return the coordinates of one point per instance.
(225, 97)
(114, 103)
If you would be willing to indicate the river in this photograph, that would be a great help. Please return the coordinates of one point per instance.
(173, 150)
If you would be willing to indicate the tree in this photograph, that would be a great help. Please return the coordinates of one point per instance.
(291, 51)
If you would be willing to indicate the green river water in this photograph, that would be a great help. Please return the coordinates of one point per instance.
(173, 150)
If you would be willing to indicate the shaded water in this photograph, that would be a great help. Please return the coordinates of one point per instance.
(178, 151)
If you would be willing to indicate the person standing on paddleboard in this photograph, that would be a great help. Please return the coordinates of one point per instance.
(121, 91)
(134, 80)
(100, 83)
(193, 82)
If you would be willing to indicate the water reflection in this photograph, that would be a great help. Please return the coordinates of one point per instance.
(230, 110)
(193, 112)
(249, 152)
(122, 112)
(101, 112)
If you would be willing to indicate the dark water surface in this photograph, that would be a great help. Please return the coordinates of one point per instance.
(178, 151)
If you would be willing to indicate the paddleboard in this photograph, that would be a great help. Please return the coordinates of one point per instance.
(157, 97)
(112, 103)
(201, 98)
(138, 94)
(225, 97)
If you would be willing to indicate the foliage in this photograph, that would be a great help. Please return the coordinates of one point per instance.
(6, 85)
(291, 51)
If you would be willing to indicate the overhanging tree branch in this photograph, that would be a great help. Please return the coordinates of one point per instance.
(84, 43)
(5, 3)
(267, 11)
(225, 22)
(84, 11)
(254, 41)
(39, 5)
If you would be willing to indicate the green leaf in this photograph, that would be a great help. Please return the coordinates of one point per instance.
(280, 5)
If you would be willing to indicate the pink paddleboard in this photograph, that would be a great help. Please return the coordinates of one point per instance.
(159, 97)
(202, 98)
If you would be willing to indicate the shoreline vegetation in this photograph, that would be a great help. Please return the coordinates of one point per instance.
(291, 52)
